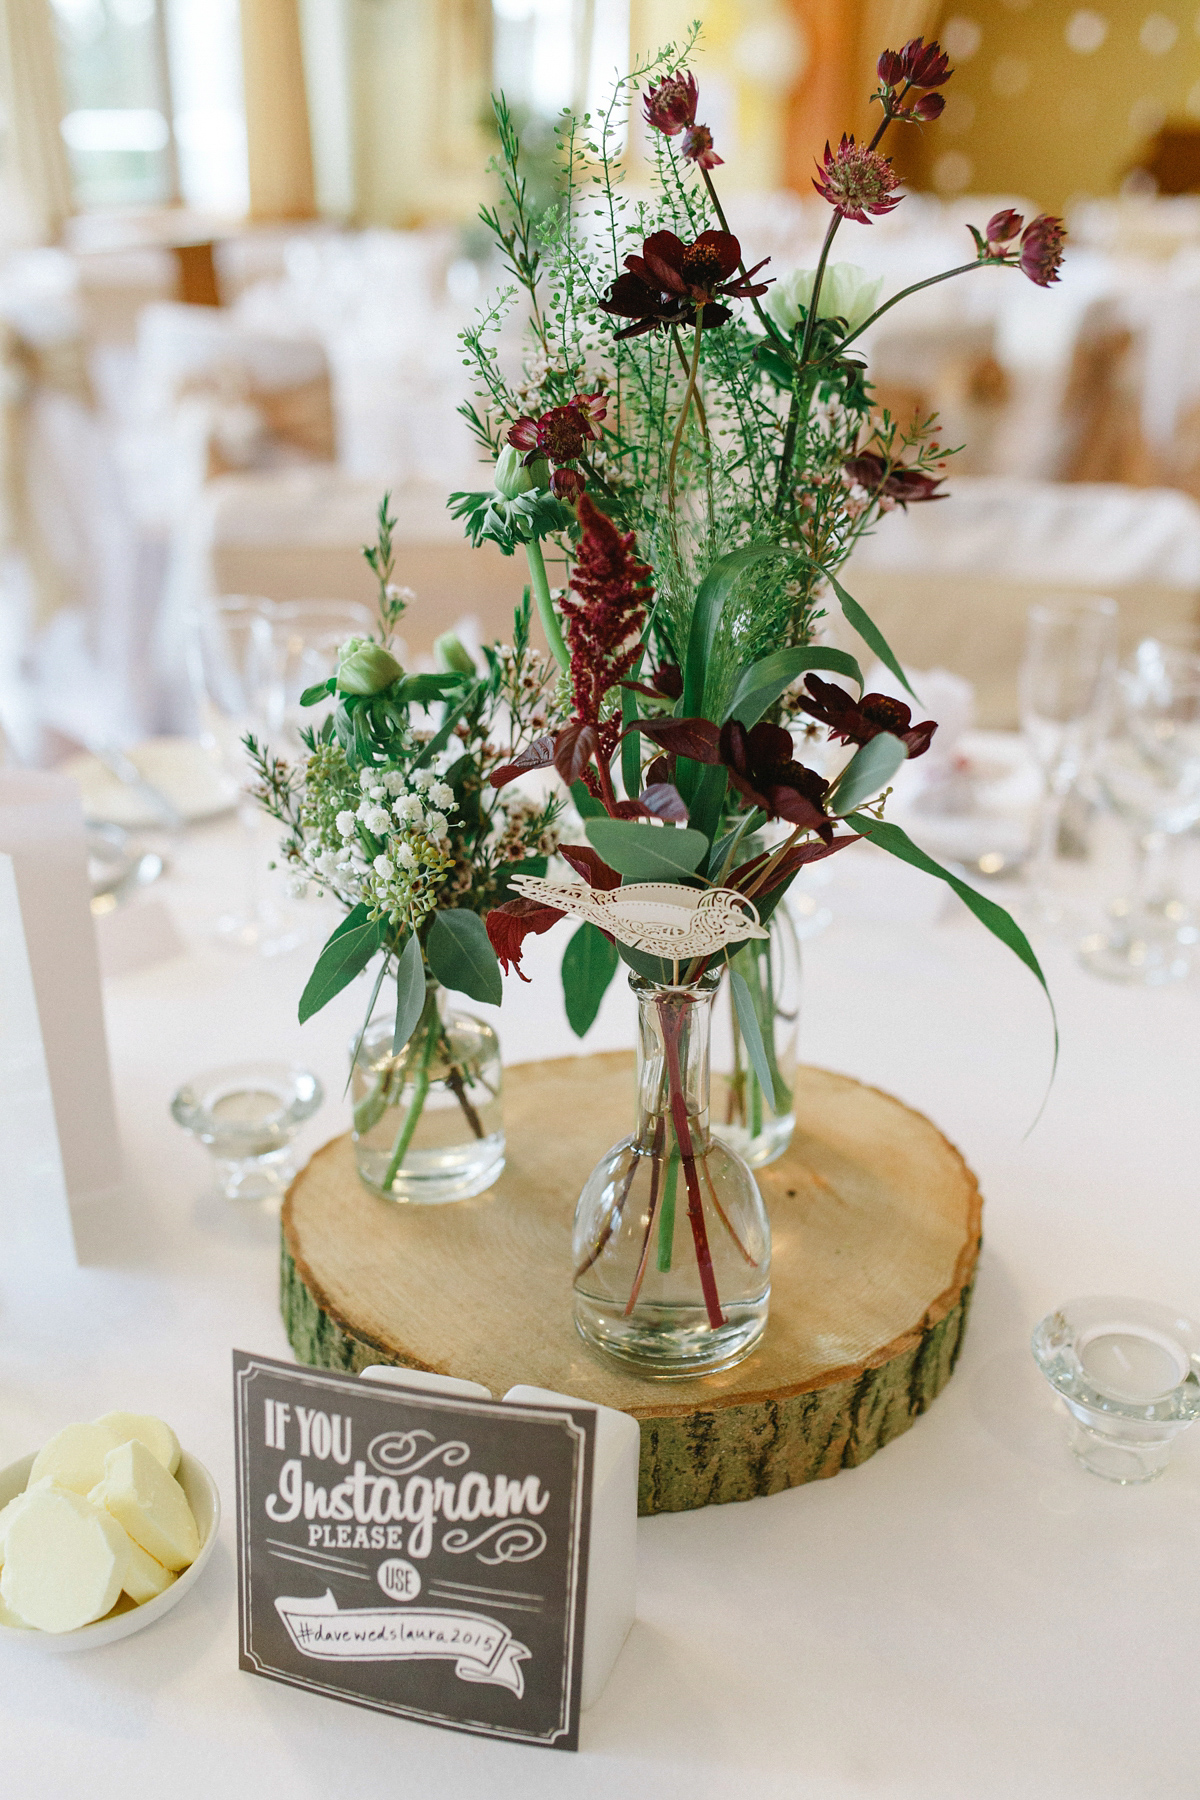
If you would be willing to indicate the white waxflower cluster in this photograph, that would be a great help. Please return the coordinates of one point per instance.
(393, 848)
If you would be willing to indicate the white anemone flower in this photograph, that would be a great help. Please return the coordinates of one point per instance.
(847, 292)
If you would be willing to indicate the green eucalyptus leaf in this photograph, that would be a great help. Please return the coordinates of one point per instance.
(647, 852)
(589, 963)
(761, 685)
(410, 992)
(652, 967)
(461, 957)
(868, 631)
(346, 954)
(868, 771)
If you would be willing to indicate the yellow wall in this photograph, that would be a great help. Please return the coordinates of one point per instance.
(1028, 114)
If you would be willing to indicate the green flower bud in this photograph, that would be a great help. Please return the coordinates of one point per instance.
(511, 477)
(365, 667)
(450, 654)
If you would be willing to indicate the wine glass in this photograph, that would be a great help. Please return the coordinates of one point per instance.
(305, 637)
(230, 661)
(1063, 689)
(1148, 772)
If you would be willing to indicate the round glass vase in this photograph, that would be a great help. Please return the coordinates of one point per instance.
(429, 1118)
(672, 1246)
(756, 1124)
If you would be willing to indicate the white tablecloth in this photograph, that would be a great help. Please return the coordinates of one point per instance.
(968, 1616)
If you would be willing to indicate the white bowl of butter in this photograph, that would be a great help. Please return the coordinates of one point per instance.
(127, 1614)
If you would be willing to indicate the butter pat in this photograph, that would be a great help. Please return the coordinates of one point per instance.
(145, 1577)
(74, 1457)
(65, 1562)
(150, 1505)
(157, 1436)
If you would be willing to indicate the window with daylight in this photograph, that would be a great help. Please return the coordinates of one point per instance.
(154, 97)
(551, 54)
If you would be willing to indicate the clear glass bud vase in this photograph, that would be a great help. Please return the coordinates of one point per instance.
(672, 1244)
(429, 1119)
(757, 1124)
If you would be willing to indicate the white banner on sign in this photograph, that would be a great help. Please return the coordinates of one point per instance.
(58, 1133)
(480, 1649)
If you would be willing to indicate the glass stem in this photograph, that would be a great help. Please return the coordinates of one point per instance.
(430, 1025)
(671, 1015)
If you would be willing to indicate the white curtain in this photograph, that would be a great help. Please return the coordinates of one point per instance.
(33, 98)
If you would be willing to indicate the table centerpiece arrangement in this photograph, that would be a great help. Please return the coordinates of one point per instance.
(699, 464)
(393, 816)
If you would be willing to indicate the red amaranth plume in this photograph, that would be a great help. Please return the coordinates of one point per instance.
(604, 616)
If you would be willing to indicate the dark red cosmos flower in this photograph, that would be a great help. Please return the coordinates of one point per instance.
(672, 283)
(858, 721)
(760, 763)
(1042, 249)
(670, 106)
(762, 767)
(857, 181)
(905, 486)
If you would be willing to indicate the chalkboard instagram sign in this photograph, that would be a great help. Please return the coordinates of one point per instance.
(412, 1552)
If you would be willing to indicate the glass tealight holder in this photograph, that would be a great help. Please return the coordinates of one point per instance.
(246, 1116)
(1129, 1373)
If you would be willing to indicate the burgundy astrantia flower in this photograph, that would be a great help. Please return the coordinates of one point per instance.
(928, 108)
(673, 283)
(857, 181)
(670, 106)
(1042, 249)
(1002, 228)
(562, 434)
(697, 147)
(871, 471)
(604, 615)
(858, 721)
(925, 65)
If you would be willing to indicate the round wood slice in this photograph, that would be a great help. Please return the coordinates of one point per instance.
(876, 1230)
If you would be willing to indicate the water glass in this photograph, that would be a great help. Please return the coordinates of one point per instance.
(305, 637)
(1064, 689)
(1148, 773)
(231, 661)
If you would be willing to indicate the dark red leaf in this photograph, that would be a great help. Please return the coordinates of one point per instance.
(509, 925)
(662, 800)
(586, 862)
(539, 755)
(574, 748)
(661, 769)
(698, 739)
(629, 809)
